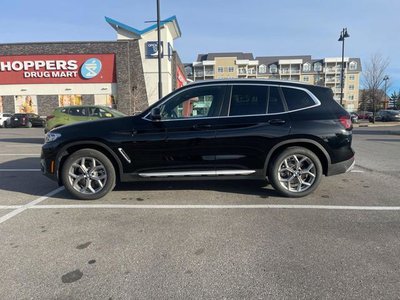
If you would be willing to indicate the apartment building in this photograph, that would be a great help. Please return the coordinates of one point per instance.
(301, 68)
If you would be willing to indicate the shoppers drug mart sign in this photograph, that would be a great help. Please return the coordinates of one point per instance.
(42, 69)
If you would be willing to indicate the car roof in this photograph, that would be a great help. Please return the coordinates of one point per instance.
(254, 81)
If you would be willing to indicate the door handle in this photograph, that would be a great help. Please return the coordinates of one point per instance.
(202, 126)
(276, 122)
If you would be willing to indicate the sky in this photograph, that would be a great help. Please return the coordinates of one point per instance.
(263, 27)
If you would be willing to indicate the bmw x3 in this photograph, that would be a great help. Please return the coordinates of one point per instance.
(288, 134)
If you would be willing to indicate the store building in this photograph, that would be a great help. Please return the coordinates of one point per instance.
(302, 68)
(38, 77)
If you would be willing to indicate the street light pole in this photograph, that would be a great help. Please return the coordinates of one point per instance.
(343, 36)
(385, 79)
(159, 51)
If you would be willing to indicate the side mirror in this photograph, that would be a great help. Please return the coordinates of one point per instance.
(156, 114)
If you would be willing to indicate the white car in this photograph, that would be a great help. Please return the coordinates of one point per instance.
(3, 119)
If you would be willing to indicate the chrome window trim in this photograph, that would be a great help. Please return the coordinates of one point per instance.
(313, 97)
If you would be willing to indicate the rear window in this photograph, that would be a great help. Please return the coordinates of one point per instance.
(297, 99)
(248, 100)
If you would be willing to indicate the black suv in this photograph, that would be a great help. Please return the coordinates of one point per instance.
(289, 133)
(25, 120)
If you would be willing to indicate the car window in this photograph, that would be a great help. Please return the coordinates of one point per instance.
(248, 100)
(78, 111)
(194, 103)
(297, 99)
(275, 104)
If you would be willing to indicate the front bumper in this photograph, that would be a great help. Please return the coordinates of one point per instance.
(341, 167)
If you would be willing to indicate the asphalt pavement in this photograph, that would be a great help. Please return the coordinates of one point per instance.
(201, 240)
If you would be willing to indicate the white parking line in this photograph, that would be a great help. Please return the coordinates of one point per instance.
(10, 206)
(357, 171)
(20, 154)
(20, 170)
(29, 205)
(238, 206)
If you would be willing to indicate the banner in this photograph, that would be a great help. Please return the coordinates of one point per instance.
(25, 104)
(56, 69)
(69, 100)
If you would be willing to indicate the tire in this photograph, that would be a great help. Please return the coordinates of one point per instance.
(286, 182)
(83, 184)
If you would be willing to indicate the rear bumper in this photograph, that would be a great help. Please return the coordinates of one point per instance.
(341, 167)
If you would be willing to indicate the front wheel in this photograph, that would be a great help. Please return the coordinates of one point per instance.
(88, 174)
(296, 172)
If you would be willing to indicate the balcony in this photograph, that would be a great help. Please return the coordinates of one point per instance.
(242, 71)
(209, 72)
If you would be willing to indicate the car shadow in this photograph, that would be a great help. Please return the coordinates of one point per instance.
(23, 140)
(244, 187)
(32, 183)
(14, 179)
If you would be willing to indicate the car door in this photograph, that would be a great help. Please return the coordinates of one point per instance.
(255, 121)
(188, 120)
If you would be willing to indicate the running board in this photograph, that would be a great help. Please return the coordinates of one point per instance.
(198, 173)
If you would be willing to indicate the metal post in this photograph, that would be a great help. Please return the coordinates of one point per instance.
(342, 72)
(343, 35)
(386, 78)
(159, 51)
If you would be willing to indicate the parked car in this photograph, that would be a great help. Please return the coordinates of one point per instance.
(354, 117)
(25, 120)
(72, 114)
(291, 133)
(4, 117)
(387, 115)
(363, 114)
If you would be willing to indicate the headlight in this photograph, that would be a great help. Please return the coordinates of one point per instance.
(51, 137)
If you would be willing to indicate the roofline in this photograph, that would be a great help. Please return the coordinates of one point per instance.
(116, 25)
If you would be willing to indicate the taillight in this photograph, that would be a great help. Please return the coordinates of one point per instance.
(346, 121)
(49, 117)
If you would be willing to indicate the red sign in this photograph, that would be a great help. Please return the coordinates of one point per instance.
(180, 78)
(54, 69)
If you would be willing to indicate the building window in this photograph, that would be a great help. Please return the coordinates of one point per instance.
(220, 69)
(307, 67)
(231, 69)
(351, 77)
(262, 69)
(273, 68)
(305, 78)
(189, 70)
(353, 66)
(351, 97)
(317, 67)
(351, 87)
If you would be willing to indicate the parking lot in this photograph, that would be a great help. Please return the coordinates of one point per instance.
(192, 240)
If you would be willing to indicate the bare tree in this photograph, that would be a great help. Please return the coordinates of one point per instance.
(373, 75)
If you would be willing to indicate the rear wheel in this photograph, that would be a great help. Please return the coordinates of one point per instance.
(88, 174)
(296, 172)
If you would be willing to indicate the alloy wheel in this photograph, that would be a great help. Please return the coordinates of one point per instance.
(297, 173)
(87, 175)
